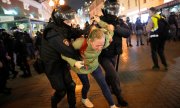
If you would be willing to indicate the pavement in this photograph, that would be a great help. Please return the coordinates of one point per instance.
(141, 86)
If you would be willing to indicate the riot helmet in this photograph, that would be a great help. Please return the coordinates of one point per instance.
(62, 13)
(111, 7)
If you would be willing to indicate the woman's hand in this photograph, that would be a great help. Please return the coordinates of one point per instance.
(79, 64)
(110, 27)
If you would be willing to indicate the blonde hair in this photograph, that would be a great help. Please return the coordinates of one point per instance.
(96, 33)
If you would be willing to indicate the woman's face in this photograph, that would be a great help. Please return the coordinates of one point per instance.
(97, 44)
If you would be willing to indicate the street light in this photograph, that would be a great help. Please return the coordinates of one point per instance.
(51, 3)
(55, 3)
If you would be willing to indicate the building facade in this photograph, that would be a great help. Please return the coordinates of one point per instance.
(28, 14)
(134, 8)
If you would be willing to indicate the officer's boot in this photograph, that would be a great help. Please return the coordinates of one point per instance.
(122, 102)
(54, 101)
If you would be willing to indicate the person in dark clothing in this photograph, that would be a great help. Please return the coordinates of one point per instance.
(38, 39)
(4, 72)
(9, 43)
(29, 45)
(54, 43)
(173, 25)
(139, 31)
(157, 44)
(108, 55)
(22, 54)
(128, 40)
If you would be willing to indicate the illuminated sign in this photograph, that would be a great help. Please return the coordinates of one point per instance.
(6, 18)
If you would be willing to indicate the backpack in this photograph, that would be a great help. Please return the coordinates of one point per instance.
(163, 28)
(83, 47)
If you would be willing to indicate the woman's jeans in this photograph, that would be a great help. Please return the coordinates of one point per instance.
(100, 79)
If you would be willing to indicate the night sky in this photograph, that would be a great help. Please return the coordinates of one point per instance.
(75, 4)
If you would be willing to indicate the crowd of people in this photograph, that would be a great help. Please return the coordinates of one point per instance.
(17, 49)
(139, 29)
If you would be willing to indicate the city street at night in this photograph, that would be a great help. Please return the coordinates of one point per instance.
(89, 53)
(141, 86)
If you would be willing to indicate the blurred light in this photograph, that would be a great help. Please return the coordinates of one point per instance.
(51, 3)
(6, 1)
(21, 26)
(31, 15)
(61, 2)
(136, 12)
(41, 18)
(165, 1)
(72, 21)
(144, 18)
(10, 12)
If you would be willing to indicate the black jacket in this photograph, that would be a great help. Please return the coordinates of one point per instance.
(52, 46)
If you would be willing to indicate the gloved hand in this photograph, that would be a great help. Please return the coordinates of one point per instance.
(79, 64)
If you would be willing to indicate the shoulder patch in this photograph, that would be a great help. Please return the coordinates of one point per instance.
(66, 42)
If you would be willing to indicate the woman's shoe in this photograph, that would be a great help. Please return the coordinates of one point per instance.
(87, 103)
(114, 106)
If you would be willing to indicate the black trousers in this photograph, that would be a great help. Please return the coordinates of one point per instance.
(62, 82)
(157, 48)
(4, 75)
(111, 75)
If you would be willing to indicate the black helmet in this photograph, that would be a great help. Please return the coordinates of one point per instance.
(111, 7)
(127, 19)
(62, 13)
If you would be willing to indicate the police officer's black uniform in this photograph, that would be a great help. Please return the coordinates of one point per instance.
(56, 69)
(108, 56)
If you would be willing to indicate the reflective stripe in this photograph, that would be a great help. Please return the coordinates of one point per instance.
(154, 29)
(151, 36)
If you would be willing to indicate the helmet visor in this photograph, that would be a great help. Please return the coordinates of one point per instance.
(65, 13)
(112, 8)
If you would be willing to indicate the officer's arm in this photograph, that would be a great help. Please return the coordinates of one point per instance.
(57, 42)
(123, 30)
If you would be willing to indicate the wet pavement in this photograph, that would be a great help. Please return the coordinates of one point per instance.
(141, 86)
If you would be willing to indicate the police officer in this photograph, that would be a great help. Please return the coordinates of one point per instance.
(156, 41)
(55, 43)
(108, 56)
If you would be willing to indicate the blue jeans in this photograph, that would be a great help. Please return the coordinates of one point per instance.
(100, 79)
(139, 34)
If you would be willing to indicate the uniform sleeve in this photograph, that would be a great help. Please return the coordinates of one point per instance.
(57, 43)
(123, 30)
